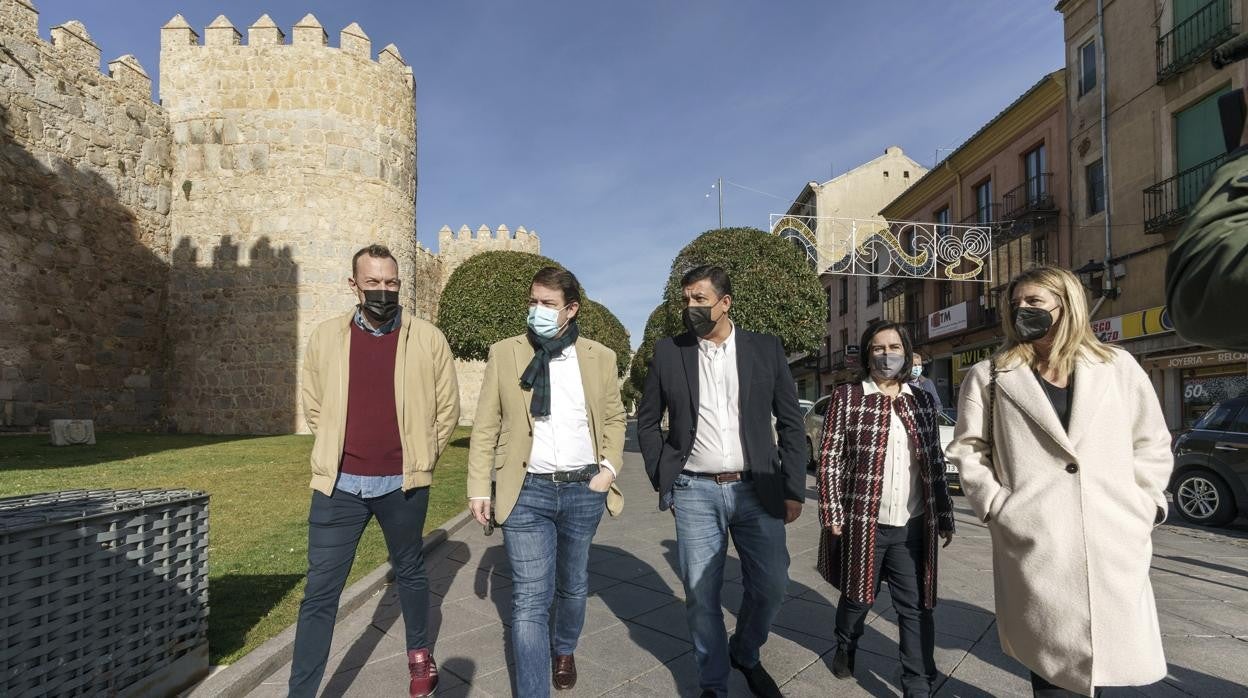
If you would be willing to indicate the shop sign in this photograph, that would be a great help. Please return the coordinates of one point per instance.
(964, 360)
(1208, 358)
(1141, 323)
(947, 321)
(851, 356)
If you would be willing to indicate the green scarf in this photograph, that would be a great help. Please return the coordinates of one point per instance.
(537, 376)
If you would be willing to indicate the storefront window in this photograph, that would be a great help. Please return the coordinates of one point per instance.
(1204, 389)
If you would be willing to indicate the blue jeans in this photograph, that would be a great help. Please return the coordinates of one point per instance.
(335, 525)
(547, 537)
(706, 514)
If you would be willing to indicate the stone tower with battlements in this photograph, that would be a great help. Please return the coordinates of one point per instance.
(166, 262)
(301, 147)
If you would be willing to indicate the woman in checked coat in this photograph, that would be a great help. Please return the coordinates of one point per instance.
(1064, 454)
(883, 502)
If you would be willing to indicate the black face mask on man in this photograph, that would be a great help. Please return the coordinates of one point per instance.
(1032, 323)
(380, 304)
(697, 319)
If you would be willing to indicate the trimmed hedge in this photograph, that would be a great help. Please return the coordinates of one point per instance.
(774, 290)
(486, 300)
(600, 325)
(657, 326)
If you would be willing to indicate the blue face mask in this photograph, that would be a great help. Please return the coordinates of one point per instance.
(544, 321)
(916, 371)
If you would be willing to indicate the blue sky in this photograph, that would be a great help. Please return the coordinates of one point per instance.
(602, 125)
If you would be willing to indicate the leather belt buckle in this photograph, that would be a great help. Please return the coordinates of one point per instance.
(726, 478)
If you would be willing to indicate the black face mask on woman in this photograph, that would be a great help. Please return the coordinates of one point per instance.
(1032, 324)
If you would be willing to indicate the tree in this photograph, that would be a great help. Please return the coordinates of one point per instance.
(599, 324)
(658, 326)
(774, 290)
(486, 300)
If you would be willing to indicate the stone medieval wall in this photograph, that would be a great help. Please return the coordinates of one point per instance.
(164, 264)
(84, 230)
(287, 158)
(453, 250)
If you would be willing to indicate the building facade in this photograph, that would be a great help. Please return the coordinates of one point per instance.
(1140, 74)
(1010, 179)
(815, 222)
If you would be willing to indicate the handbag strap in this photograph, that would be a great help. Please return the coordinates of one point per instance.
(992, 399)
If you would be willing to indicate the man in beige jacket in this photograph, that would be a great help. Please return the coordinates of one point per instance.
(379, 394)
(549, 430)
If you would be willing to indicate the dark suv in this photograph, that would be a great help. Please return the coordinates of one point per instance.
(1210, 481)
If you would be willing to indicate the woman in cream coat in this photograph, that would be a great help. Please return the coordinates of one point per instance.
(1069, 472)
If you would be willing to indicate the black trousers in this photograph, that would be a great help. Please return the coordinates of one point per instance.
(899, 561)
(1041, 688)
(335, 525)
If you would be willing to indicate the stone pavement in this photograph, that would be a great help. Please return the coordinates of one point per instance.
(636, 643)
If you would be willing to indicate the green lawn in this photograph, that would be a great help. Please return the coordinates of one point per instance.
(257, 519)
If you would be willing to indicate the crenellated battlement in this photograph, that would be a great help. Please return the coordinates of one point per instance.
(178, 35)
(510, 240)
(455, 247)
(70, 47)
(270, 159)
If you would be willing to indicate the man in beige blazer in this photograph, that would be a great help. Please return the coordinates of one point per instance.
(380, 395)
(549, 432)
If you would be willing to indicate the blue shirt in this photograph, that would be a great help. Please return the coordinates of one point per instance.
(369, 486)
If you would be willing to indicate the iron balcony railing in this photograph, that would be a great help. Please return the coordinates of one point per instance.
(1168, 202)
(988, 215)
(978, 317)
(838, 360)
(1191, 40)
(1032, 196)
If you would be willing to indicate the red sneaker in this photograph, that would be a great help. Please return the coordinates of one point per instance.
(424, 673)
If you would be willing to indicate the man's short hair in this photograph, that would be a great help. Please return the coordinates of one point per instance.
(561, 280)
(716, 275)
(374, 250)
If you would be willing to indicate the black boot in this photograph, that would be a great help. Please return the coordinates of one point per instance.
(843, 663)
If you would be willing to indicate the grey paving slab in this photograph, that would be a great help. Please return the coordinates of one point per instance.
(1208, 666)
(636, 640)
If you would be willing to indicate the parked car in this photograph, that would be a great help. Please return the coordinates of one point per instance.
(814, 434)
(805, 406)
(1210, 480)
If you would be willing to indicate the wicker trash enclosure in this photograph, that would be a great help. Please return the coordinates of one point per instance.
(103, 592)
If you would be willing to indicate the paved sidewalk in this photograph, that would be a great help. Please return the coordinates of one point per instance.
(636, 643)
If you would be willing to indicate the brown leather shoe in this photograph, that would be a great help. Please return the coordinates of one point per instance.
(565, 672)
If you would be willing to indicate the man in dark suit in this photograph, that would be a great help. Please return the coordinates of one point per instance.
(719, 469)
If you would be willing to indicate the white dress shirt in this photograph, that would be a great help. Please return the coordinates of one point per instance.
(562, 440)
(717, 444)
(901, 490)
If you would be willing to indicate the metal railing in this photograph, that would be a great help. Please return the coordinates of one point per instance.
(983, 216)
(1168, 202)
(1189, 41)
(978, 317)
(1033, 195)
(838, 360)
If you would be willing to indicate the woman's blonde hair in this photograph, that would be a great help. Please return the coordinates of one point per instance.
(1072, 340)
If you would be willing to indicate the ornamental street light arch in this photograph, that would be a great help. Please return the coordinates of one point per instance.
(882, 248)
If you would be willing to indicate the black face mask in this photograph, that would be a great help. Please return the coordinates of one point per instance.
(1032, 324)
(698, 320)
(381, 305)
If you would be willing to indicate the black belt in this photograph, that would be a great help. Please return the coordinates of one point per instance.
(579, 475)
(721, 478)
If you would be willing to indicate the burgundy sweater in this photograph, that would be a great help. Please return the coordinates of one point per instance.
(372, 445)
